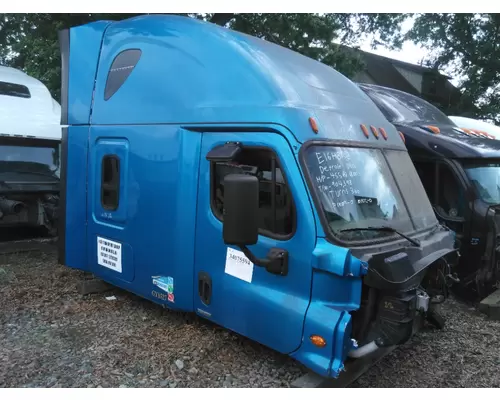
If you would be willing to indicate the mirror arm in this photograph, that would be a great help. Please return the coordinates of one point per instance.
(261, 262)
(276, 261)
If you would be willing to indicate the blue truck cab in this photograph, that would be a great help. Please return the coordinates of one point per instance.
(213, 172)
(460, 171)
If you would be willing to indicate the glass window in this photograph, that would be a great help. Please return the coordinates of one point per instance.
(120, 69)
(412, 190)
(406, 107)
(357, 190)
(14, 90)
(451, 198)
(30, 159)
(427, 174)
(110, 182)
(486, 179)
(276, 213)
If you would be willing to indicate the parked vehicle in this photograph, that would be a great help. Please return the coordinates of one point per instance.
(217, 173)
(460, 171)
(30, 138)
(478, 127)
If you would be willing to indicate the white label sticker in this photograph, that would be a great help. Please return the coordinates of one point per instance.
(238, 265)
(109, 254)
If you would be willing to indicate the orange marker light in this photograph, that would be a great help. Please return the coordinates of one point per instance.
(374, 131)
(402, 136)
(365, 130)
(383, 132)
(433, 129)
(317, 340)
(314, 125)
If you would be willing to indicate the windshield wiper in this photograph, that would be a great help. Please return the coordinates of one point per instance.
(383, 229)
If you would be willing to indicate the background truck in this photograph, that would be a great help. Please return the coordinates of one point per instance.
(30, 145)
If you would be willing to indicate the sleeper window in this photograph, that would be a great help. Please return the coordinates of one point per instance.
(121, 68)
(276, 210)
(110, 182)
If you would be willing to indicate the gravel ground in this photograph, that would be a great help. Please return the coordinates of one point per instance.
(50, 336)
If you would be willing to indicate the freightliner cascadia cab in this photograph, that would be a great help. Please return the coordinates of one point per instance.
(30, 139)
(460, 170)
(217, 173)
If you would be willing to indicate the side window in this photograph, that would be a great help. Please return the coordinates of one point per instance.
(110, 182)
(427, 172)
(277, 212)
(451, 197)
(14, 90)
(120, 69)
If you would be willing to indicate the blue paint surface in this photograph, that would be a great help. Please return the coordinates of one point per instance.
(196, 86)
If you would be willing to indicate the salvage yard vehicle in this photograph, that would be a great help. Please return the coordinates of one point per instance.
(217, 173)
(460, 171)
(477, 127)
(30, 143)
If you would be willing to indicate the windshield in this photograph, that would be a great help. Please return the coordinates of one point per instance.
(408, 108)
(486, 180)
(30, 160)
(357, 189)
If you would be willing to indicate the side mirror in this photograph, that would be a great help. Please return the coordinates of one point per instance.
(241, 222)
(241, 210)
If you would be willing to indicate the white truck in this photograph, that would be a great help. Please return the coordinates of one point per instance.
(476, 125)
(30, 149)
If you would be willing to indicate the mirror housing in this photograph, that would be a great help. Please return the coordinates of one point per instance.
(241, 210)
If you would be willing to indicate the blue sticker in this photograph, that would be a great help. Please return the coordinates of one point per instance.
(164, 283)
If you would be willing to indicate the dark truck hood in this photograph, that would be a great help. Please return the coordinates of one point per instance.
(402, 268)
(449, 143)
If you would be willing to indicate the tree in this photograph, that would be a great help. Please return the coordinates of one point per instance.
(466, 46)
(29, 41)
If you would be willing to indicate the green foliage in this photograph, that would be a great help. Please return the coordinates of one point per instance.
(466, 46)
(29, 41)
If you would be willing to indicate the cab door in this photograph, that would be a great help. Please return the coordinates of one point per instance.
(229, 289)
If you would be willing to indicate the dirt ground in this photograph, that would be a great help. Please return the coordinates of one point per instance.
(51, 336)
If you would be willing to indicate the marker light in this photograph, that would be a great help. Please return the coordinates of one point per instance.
(433, 129)
(383, 132)
(374, 131)
(317, 340)
(314, 125)
(365, 131)
(402, 136)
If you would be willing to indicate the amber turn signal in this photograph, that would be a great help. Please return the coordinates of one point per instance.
(317, 340)
(402, 136)
(314, 125)
(365, 130)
